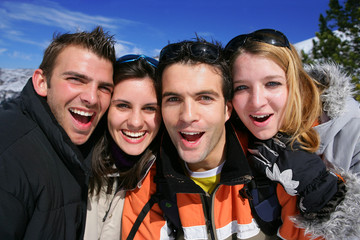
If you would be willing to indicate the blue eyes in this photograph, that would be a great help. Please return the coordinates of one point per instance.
(273, 84)
(268, 84)
(239, 88)
(126, 106)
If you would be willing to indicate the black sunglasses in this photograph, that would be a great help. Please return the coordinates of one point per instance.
(209, 52)
(269, 36)
(134, 57)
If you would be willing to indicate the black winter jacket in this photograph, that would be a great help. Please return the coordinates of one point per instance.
(43, 175)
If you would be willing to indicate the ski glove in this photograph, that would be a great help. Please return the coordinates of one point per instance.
(330, 206)
(300, 172)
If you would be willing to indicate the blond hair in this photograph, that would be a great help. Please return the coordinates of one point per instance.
(303, 105)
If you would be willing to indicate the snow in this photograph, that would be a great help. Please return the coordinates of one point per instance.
(305, 45)
(12, 81)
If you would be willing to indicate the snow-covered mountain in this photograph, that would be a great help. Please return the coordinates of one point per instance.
(305, 45)
(12, 81)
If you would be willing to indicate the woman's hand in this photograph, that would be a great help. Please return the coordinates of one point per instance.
(300, 172)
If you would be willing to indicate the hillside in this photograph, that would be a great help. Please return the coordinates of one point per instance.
(12, 81)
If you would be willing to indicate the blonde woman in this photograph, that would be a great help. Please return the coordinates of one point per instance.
(277, 103)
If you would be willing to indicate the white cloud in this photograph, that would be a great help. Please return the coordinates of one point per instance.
(123, 48)
(19, 37)
(205, 34)
(19, 55)
(156, 53)
(2, 50)
(58, 16)
(50, 13)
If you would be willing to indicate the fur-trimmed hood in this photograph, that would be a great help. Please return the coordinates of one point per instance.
(340, 121)
(338, 87)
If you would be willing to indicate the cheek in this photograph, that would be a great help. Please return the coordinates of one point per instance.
(239, 104)
(114, 119)
(154, 122)
(104, 100)
(168, 115)
(279, 101)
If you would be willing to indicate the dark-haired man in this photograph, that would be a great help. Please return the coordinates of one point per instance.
(201, 160)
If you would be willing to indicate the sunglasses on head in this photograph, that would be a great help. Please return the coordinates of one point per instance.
(269, 36)
(207, 51)
(134, 57)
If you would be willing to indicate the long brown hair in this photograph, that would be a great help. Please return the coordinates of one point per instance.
(103, 164)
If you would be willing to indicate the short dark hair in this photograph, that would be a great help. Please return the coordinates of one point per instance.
(97, 41)
(184, 55)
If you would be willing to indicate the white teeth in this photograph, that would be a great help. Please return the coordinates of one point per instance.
(190, 133)
(260, 116)
(82, 113)
(133, 134)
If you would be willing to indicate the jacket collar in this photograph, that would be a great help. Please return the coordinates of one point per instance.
(36, 107)
(171, 171)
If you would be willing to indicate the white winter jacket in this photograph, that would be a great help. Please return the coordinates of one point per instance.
(103, 220)
(104, 211)
(340, 123)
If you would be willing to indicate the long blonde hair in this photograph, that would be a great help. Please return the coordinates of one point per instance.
(303, 105)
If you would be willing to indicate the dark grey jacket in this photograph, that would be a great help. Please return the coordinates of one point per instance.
(43, 175)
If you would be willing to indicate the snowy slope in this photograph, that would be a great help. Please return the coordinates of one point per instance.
(12, 81)
(305, 45)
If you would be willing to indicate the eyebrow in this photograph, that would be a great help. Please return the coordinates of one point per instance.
(166, 94)
(268, 77)
(205, 92)
(76, 74)
(127, 102)
(208, 92)
(119, 100)
(83, 76)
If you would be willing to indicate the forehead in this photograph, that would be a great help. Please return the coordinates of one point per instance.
(72, 53)
(137, 88)
(256, 65)
(77, 59)
(191, 77)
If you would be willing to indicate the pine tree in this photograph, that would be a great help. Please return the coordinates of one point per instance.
(339, 38)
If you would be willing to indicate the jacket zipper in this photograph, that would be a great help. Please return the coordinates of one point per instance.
(207, 206)
(208, 200)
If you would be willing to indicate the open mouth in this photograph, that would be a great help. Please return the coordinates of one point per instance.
(191, 136)
(133, 135)
(261, 118)
(82, 116)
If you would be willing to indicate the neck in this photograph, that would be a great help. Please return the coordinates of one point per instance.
(122, 160)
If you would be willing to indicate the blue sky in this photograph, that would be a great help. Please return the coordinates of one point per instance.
(145, 26)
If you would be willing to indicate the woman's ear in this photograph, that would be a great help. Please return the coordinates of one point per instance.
(39, 82)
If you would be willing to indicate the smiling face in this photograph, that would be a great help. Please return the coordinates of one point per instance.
(134, 115)
(260, 94)
(194, 113)
(80, 90)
